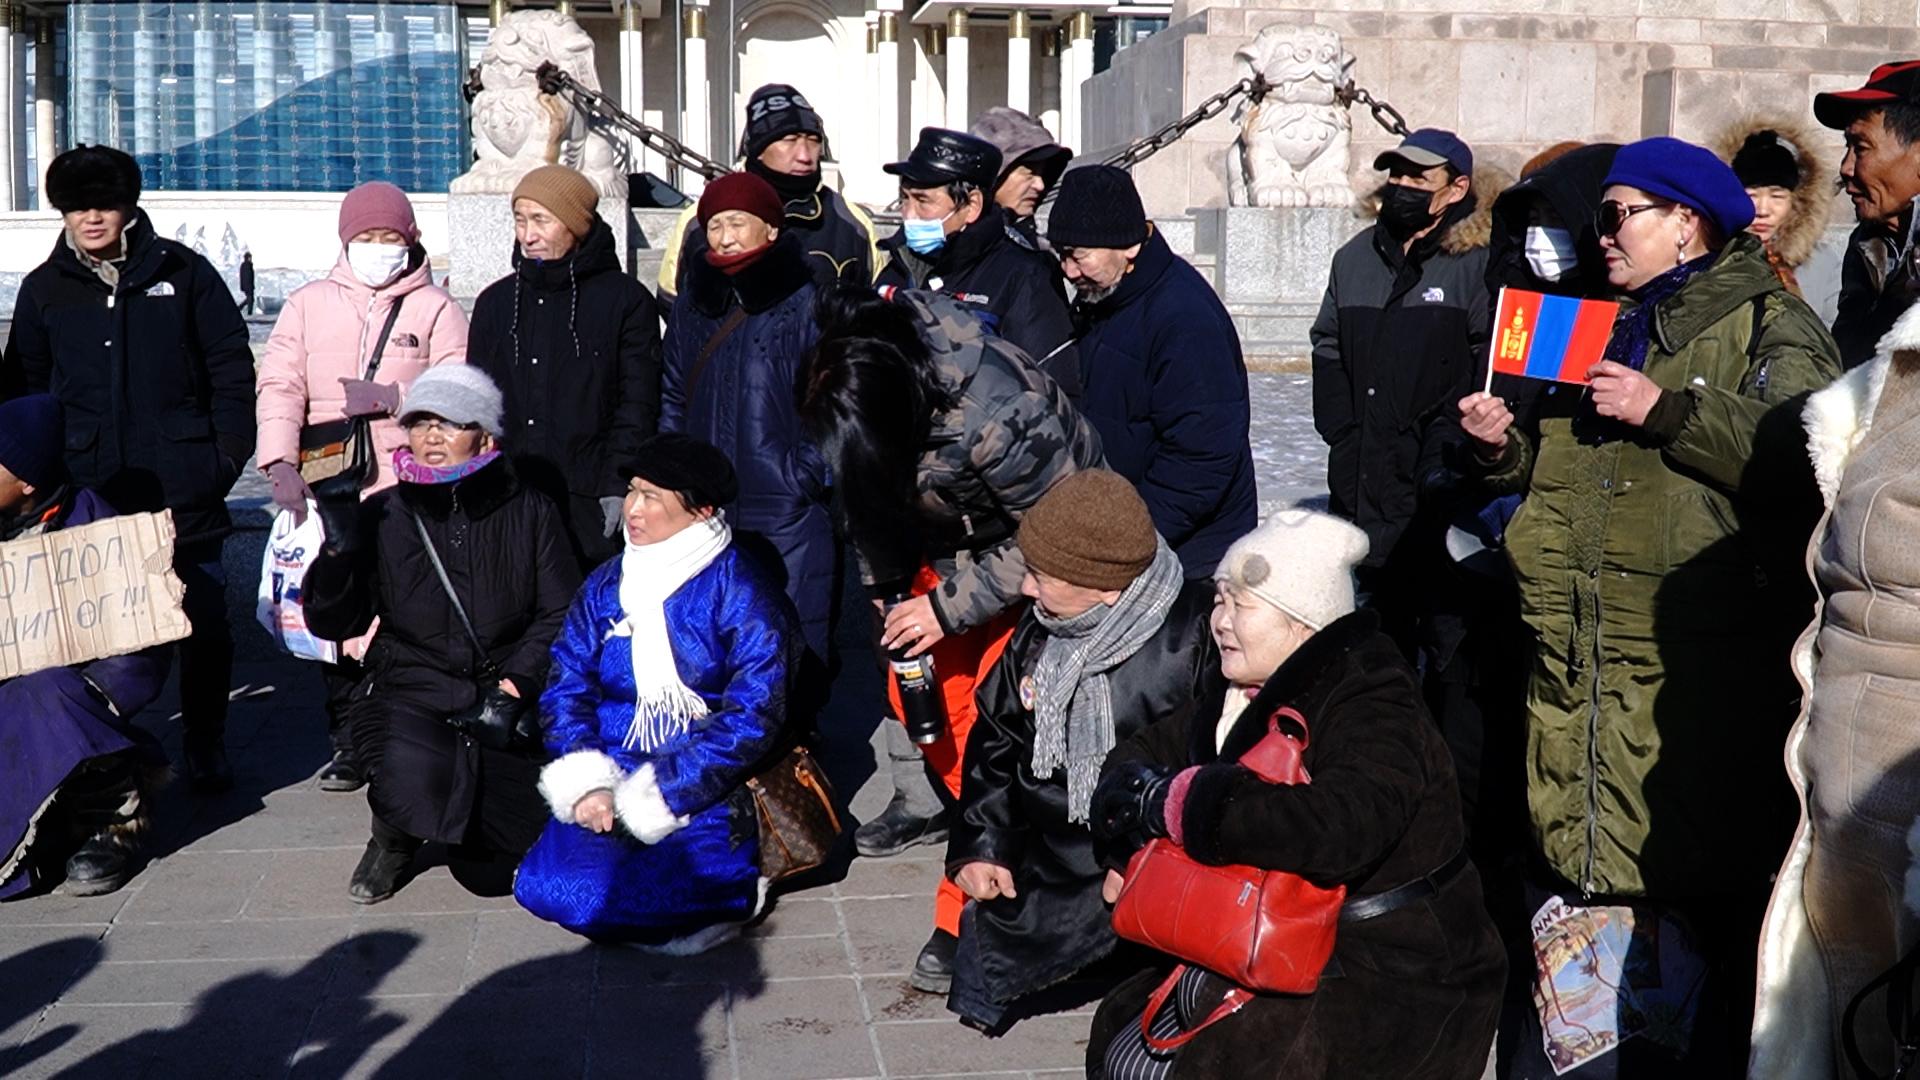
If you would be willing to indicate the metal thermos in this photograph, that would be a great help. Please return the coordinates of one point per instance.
(922, 705)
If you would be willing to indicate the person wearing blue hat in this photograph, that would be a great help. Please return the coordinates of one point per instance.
(79, 773)
(1659, 554)
(1399, 337)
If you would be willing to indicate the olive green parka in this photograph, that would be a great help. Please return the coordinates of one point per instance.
(1658, 573)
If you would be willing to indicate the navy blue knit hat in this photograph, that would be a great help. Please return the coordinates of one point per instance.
(32, 439)
(1098, 207)
(1687, 174)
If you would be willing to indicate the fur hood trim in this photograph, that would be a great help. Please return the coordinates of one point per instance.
(1471, 232)
(1794, 241)
(1839, 417)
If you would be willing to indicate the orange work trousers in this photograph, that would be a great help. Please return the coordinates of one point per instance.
(960, 663)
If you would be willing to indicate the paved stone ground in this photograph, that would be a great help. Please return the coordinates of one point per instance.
(237, 953)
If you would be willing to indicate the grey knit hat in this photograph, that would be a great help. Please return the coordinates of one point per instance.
(456, 392)
(1022, 141)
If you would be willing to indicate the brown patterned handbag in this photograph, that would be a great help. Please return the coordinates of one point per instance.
(798, 821)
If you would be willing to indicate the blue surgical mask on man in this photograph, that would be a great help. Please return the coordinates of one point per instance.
(925, 237)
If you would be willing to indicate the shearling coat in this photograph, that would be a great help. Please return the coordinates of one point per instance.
(1417, 991)
(327, 333)
(1859, 663)
(1656, 577)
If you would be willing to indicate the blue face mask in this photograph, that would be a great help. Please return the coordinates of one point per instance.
(925, 237)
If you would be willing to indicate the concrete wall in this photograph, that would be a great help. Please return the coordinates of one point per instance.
(1512, 76)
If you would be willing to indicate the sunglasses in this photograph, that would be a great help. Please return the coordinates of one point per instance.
(1614, 214)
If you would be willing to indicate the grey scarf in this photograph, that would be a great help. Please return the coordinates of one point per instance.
(1072, 707)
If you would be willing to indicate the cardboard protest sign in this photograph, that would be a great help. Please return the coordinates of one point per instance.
(87, 592)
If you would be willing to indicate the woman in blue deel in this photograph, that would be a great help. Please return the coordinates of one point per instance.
(668, 691)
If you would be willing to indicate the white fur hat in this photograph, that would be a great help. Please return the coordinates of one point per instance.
(1300, 561)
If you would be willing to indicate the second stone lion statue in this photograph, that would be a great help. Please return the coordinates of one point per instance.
(516, 128)
(1293, 145)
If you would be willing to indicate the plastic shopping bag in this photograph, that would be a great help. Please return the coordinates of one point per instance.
(290, 550)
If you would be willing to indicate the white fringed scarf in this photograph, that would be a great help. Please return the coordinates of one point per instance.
(663, 706)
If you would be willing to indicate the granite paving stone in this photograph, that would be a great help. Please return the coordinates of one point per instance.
(237, 953)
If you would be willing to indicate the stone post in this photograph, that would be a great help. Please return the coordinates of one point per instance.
(887, 57)
(1049, 114)
(632, 81)
(17, 105)
(957, 61)
(1078, 59)
(1069, 133)
(695, 128)
(9, 79)
(929, 100)
(46, 144)
(1019, 62)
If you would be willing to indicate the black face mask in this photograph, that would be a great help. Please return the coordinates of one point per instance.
(1404, 210)
(789, 186)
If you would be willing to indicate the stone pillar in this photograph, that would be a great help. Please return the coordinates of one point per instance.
(1076, 67)
(17, 104)
(929, 99)
(1069, 133)
(887, 56)
(632, 80)
(46, 144)
(957, 61)
(696, 130)
(1019, 62)
(1049, 95)
(9, 80)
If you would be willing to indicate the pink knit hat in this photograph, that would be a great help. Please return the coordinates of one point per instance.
(377, 204)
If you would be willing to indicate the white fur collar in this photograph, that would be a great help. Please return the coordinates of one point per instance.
(1838, 417)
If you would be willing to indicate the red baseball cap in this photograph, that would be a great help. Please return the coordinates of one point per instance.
(1899, 81)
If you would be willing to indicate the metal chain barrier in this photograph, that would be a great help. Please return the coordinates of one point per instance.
(601, 107)
(1255, 90)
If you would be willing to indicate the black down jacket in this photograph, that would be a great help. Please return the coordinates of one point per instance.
(575, 345)
(743, 398)
(1412, 994)
(508, 558)
(1401, 337)
(153, 376)
(1165, 384)
(1057, 924)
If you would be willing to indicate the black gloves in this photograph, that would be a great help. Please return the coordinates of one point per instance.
(1130, 805)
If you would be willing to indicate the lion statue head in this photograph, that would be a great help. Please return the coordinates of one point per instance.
(1303, 64)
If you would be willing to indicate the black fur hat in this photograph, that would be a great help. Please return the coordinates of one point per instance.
(93, 178)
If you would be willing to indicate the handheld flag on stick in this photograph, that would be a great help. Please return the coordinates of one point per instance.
(1537, 336)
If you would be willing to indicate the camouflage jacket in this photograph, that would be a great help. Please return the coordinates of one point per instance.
(1012, 435)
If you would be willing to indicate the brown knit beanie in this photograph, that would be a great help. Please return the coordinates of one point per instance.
(1091, 529)
(565, 193)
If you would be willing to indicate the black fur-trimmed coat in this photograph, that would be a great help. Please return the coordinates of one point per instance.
(1410, 995)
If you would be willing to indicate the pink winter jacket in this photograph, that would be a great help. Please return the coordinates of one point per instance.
(324, 334)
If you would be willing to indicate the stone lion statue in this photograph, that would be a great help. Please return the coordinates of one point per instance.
(516, 128)
(1292, 148)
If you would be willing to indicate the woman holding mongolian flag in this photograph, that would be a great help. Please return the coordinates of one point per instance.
(1656, 557)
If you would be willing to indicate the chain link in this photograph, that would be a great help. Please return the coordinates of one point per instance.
(1348, 95)
(599, 106)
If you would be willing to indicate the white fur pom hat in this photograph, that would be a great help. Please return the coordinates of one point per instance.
(1300, 561)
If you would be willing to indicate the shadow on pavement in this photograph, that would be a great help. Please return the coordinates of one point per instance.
(30, 981)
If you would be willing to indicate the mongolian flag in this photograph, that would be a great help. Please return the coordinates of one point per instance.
(1537, 336)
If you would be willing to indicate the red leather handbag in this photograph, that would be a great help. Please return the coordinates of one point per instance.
(1265, 930)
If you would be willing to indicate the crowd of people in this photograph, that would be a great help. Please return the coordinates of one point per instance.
(1545, 726)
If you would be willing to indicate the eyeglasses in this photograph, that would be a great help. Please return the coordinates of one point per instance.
(1614, 214)
(437, 426)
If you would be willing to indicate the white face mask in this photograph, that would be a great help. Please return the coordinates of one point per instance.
(376, 264)
(1551, 252)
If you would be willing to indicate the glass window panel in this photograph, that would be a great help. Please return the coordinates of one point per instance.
(276, 95)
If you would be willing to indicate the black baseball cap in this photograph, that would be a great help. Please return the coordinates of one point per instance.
(1427, 147)
(1898, 81)
(943, 156)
